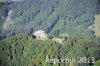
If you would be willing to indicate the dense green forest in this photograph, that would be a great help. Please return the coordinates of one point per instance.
(67, 19)
(23, 50)
(55, 17)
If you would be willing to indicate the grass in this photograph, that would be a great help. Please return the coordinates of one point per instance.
(96, 26)
(97, 32)
(97, 20)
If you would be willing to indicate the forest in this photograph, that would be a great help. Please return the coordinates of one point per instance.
(55, 17)
(72, 20)
(23, 50)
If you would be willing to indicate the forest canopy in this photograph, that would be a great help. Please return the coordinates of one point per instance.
(55, 17)
(23, 50)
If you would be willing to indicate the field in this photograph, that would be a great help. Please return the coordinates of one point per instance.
(97, 20)
(97, 32)
(97, 25)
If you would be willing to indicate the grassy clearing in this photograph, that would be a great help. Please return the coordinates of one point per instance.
(97, 20)
(97, 32)
(96, 26)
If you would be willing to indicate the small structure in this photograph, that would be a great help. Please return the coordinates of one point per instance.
(59, 40)
(10, 0)
(40, 34)
(3, 0)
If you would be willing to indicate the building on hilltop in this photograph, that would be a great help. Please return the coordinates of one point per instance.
(10, 0)
(3, 0)
(40, 34)
(59, 40)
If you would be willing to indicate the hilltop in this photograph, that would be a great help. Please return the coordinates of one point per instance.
(23, 50)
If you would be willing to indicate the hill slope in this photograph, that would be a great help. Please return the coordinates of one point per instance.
(55, 17)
